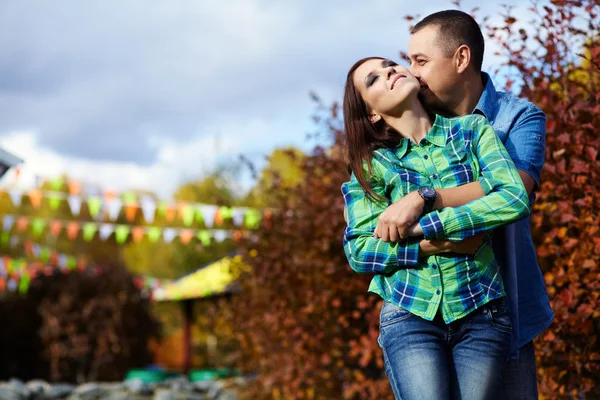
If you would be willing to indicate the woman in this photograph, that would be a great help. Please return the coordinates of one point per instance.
(443, 325)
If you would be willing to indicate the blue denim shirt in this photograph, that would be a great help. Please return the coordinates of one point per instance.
(521, 126)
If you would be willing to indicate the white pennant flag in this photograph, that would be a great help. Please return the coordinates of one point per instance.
(74, 204)
(7, 222)
(37, 250)
(12, 285)
(106, 230)
(169, 234)
(208, 214)
(148, 208)
(220, 235)
(238, 216)
(114, 208)
(62, 261)
(15, 196)
(14, 241)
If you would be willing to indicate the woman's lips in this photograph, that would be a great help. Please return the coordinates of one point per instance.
(398, 77)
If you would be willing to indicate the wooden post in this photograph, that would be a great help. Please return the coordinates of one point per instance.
(188, 315)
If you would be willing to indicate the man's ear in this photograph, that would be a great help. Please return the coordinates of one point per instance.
(374, 118)
(463, 58)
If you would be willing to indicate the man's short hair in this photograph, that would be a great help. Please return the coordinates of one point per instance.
(455, 29)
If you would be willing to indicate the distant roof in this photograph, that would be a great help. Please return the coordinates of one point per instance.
(7, 161)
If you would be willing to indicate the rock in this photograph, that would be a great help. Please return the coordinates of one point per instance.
(37, 389)
(88, 391)
(7, 393)
(59, 391)
(18, 387)
(138, 386)
(164, 395)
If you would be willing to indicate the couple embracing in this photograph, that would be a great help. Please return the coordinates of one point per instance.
(444, 173)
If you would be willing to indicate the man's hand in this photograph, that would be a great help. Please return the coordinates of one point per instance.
(394, 223)
(469, 245)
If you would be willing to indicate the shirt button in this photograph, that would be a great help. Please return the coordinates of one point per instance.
(426, 156)
(434, 266)
(437, 292)
(434, 176)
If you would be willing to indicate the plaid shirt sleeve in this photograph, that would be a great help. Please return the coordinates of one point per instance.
(365, 253)
(506, 199)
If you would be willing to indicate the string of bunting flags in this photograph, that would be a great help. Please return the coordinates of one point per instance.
(122, 232)
(130, 204)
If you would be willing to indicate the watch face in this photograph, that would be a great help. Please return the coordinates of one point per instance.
(428, 191)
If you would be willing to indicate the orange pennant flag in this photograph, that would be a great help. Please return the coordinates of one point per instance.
(74, 188)
(53, 258)
(170, 213)
(55, 228)
(109, 194)
(137, 233)
(36, 198)
(237, 236)
(186, 236)
(22, 223)
(130, 211)
(28, 246)
(73, 230)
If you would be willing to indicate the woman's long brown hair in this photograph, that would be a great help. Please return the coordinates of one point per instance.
(362, 136)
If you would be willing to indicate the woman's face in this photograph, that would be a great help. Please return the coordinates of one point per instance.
(385, 86)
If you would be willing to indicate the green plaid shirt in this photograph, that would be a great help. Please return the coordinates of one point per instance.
(454, 152)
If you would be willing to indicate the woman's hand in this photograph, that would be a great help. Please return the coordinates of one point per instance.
(469, 245)
(400, 220)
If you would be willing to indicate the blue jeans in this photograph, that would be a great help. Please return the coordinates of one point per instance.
(431, 360)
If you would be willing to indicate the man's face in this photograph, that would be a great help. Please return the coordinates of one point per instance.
(434, 69)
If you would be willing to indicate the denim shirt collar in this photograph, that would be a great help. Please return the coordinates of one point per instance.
(487, 101)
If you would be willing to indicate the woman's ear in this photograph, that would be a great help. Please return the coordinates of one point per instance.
(374, 118)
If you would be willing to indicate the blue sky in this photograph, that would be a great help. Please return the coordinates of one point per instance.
(147, 94)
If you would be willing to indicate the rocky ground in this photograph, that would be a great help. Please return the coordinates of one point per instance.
(172, 389)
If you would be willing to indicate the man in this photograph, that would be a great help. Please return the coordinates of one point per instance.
(445, 54)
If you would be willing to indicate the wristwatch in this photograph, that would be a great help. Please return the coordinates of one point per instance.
(428, 194)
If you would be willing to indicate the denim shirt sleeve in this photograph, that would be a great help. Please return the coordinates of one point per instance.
(526, 142)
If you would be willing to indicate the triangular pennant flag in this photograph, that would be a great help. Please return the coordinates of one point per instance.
(148, 206)
(94, 205)
(218, 218)
(186, 236)
(35, 196)
(24, 283)
(161, 207)
(62, 261)
(129, 197)
(16, 196)
(226, 213)
(7, 223)
(170, 213)
(5, 239)
(199, 218)
(56, 184)
(75, 204)
(36, 250)
(208, 214)
(237, 236)
(73, 230)
(169, 234)
(22, 223)
(45, 254)
(12, 285)
(55, 228)
(122, 233)
(71, 263)
(252, 218)
(204, 237)
(14, 241)
(89, 230)
(38, 226)
(130, 211)
(220, 235)
(2, 267)
(114, 208)
(54, 201)
(2, 285)
(154, 233)
(74, 188)
(137, 233)
(187, 214)
(238, 216)
(106, 230)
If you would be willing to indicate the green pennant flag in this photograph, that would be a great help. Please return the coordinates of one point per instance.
(71, 262)
(154, 233)
(37, 226)
(94, 205)
(19, 265)
(252, 218)
(45, 254)
(226, 212)
(5, 239)
(56, 184)
(129, 197)
(89, 230)
(122, 233)
(54, 201)
(24, 283)
(161, 208)
(204, 237)
(188, 215)
(199, 216)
